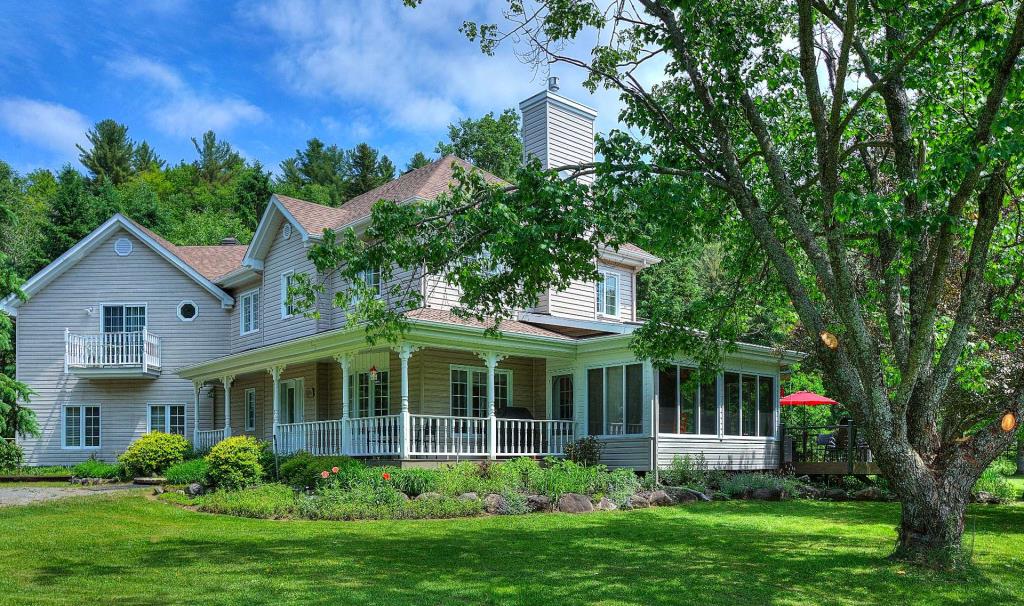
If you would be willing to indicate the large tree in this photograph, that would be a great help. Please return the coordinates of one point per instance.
(217, 161)
(862, 159)
(491, 143)
(367, 169)
(314, 173)
(111, 153)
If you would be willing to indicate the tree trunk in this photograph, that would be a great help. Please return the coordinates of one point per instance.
(932, 519)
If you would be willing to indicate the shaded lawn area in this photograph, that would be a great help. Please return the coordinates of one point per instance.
(130, 549)
(1018, 484)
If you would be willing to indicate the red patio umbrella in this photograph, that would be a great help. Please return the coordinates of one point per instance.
(806, 398)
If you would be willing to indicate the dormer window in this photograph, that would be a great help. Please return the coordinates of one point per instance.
(608, 294)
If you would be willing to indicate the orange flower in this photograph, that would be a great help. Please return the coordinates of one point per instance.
(386, 476)
(334, 470)
(324, 474)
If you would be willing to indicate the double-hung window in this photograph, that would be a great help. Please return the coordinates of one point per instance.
(249, 312)
(288, 307)
(250, 410)
(81, 426)
(168, 418)
(468, 391)
(371, 281)
(561, 397)
(608, 294)
(373, 397)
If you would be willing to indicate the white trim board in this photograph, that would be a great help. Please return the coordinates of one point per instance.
(265, 232)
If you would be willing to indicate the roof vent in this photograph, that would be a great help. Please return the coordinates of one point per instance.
(229, 241)
(123, 247)
(553, 84)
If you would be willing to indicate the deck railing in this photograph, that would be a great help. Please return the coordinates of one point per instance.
(113, 350)
(205, 439)
(416, 435)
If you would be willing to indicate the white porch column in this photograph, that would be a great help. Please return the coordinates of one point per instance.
(275, 374)
(197, 386)
(491, 360)
(227, 381)
(405, 351)
(345, 361)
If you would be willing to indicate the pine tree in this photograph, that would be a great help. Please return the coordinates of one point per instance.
(217, 159)
(317, 168)
(144, 158)
(418, 160)
(73, 213)
(15, 418)
(109, 159)
(365, 170)
(252, 191)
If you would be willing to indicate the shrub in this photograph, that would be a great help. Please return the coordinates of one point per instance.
(11, 456)
(414, 482)
(94, 468)
(264, 501)
(187, 472)
(992, 482)
(687, 471)
(742, 484)
(235, 463)
(380, 503)
(622, 484)
(302, 470)
(585, 451)
(1004, 467)
(153, 453)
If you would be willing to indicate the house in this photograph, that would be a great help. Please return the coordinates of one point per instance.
(127, 333)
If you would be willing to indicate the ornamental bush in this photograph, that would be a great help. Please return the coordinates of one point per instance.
(235, 463)
(11, 456)
(188, 472)
(95, 468)
(153, 453)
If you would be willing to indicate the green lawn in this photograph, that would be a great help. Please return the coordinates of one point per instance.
(129, 549)
(1018, 483)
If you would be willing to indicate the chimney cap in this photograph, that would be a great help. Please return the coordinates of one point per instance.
(553, 83)
(229, 241)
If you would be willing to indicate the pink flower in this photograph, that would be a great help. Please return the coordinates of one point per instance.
(386, 476)
(324, 474)
(334, 470)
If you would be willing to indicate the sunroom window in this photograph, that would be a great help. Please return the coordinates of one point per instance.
(615, 400)
(749, 405)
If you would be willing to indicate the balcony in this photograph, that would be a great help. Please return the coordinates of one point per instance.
(115, 355)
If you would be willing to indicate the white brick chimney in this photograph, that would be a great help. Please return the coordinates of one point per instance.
(556, 130)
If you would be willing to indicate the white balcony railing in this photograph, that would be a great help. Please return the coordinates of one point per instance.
(374, 436)
(112, 350)
(206, 439)
(522, 437)
(448, 436)
(316, 437)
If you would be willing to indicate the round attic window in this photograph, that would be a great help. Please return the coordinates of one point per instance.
(187, 311)
(286, 231)
(123, 247)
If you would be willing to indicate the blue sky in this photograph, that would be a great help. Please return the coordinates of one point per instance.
(266, 76)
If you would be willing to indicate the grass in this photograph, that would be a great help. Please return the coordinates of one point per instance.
(1018, 484)
(132, 549)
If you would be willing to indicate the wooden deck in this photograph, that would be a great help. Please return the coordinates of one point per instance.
(827, 450)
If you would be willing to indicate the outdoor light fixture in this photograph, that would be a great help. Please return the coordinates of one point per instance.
(373, 374)
(1009, 422)
(830, 340)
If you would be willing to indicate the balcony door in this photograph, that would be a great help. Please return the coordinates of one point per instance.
(123, 318)
(291, 401)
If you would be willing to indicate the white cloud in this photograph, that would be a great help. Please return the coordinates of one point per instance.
(50, 126)
(180, 109)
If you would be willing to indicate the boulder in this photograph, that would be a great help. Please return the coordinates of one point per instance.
(401, 495)
(158, 490)
(469, 496)
(808, 491)
(871, 493)
(495, 504)
(836, 494)
(660, 498)
(538, 502)
(574, 503)
(428, 495)
(605, 504)
(767, 494)
(194, 489)
(720, 496)
(987, 497)
(637, 501)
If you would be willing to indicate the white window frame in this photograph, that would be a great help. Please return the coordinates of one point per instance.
(285, 311)
(252, 297)
(366, 276)
(183, 304)
(144, 306)
(81, 427)
(299, 385)
(698, 394)
(469, 393)
(757, 406)
(372, 395)
(250, 419)
(601, 292)
(604, 398)
(167, 417)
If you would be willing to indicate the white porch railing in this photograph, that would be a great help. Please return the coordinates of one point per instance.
(374, 436)
(524, 437)
(112, 349)
(316, 437)
(448, 436)
(206, 439)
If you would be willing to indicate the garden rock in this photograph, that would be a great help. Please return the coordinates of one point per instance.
(194, 489)
(495, 504)
(428, 495)
(660, 498)
(606, 505)
(571, 502)
(871, 493)
(987, 497)
(158, 490)
(469, 496)
(638, 501)
(809, 491)
(538, 502)
(836, 494)
(767, 494)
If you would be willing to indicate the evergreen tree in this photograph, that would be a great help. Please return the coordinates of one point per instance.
(15, 419)
(73, 213)
(217, 159)
(144, 158)
(318, 165)
(252, 192)
(489, 143)
(367, 169)
(418, 160)
(109, 158)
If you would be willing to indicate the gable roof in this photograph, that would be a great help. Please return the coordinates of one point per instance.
(212, 262)
(175, 255)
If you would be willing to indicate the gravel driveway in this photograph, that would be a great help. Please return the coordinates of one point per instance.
(23, 495)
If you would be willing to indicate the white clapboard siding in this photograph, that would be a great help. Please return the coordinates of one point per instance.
(285, 254)
(721, 453)
(239, 342)
(103, 277)
(627, 452)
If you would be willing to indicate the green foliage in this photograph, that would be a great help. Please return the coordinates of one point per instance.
(622, 484)
(95, 468)
(303, 470)
(418, 160)
(11, 456)
(687, 471)
(266, 501)
(326, 174)
(218, 161)
(742, 484)
(188, 472)
(586, 451)
(110, 157)
(367, 169)
(235, 463)
(153, 453)
(490, 143)
(996, 484)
